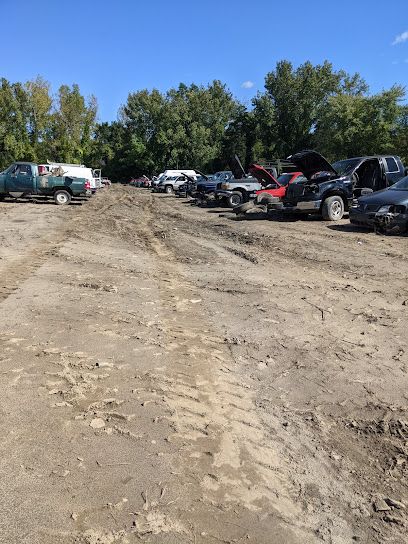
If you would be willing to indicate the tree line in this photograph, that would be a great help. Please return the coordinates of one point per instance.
(197, 126)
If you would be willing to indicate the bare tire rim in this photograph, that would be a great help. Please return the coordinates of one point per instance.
(62, 199)
(235, 200)
(337, 209)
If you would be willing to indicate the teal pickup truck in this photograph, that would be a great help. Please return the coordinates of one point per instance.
(27, 178)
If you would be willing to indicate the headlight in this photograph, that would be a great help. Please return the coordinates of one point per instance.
(384, 209)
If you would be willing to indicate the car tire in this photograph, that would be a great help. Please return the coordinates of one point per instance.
(62, 198)
(333, 208)
(242, 208)
(235, 199)
(168, 190)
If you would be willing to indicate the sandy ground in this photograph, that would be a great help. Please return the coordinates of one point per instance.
(173, 375)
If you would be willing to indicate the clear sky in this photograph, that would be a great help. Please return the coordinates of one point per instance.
(112, 47)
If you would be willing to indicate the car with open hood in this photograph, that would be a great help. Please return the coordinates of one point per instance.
(276, 188)
(329, 189)
(386, 210)
(243, 187)
(207, 185)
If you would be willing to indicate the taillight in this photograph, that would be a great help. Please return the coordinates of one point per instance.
(87, 184)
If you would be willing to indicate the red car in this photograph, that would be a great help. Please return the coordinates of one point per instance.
(273, 187)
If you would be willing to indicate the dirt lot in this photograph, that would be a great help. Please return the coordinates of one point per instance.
(170, 375)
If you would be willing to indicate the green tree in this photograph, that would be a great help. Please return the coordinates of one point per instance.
(39, 104)
(354, 125)
(71, 125)
(14, 138)
(297, 97)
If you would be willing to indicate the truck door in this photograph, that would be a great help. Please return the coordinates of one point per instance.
(20, 179)
(393, 171)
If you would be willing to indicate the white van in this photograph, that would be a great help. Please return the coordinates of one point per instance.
(75, 171)
(172, 173)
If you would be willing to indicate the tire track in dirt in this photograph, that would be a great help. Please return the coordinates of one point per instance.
(21, 268)
(213, 412)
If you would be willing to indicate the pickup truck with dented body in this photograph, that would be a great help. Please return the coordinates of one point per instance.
(329, 189)
(27, 178)
(237, 189)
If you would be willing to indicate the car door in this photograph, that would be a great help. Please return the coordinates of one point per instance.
(20, 179)
(393, 171)
(179, 181)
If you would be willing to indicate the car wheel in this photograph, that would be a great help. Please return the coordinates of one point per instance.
(333, 208)
(61, 198)
(242, 208)
(235, 199)
(169, 189)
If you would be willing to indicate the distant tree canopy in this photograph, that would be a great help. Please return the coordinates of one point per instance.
(200, 126)
(36, 126)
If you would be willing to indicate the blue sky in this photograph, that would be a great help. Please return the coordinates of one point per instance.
(112, 47)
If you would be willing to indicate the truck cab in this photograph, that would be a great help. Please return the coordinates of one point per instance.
(18, 179)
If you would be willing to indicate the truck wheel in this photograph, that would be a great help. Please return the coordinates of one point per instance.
(169, 189)
(242, 208)
(62, 197)
(235, 199)
(333, 208)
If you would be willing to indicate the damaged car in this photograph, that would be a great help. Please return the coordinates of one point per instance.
(329, 189)
(386, 211)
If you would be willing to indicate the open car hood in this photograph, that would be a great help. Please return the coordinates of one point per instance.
(201, 174)
(190, 179)
(236, 168)
(311, 162)
(263, 176)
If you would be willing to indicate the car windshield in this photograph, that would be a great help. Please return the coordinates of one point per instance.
(401, 185)
(344, 168)
(284, 179)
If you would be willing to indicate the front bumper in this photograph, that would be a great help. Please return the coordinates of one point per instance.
(386, 222)
(221, 194)
(361, 218)
(306, 206)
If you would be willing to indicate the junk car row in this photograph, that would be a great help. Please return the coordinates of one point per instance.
(373, 190)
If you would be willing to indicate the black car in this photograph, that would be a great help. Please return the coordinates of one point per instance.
(385, 210)
(330, 188)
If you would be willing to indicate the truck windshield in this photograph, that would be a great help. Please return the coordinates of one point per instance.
(344, 168)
